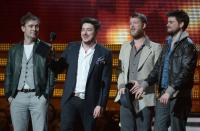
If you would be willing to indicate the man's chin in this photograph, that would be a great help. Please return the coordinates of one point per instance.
(170, 33)
(137, 36)
(87, 42)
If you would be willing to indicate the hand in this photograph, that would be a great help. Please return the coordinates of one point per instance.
(139, 93)
(97, 112)
(135, 87)
(10, 99)
(164, 98)
(121, 91)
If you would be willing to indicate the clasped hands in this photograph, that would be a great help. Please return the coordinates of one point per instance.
(136, 89)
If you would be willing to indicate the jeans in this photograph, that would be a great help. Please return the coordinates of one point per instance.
(164, 117)
(136, 122)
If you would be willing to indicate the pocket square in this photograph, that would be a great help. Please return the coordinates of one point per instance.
(100, 60)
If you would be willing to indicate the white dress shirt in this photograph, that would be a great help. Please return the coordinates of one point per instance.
(28, 50)
(84, 62)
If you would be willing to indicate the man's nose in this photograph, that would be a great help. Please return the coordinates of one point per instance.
(84, 32)
(34, 28)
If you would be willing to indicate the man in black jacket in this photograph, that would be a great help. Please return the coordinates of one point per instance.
(28, 80)
(174, 73)
(89, 73)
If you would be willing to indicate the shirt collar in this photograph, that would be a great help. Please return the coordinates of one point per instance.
(146, 42)
(181, 36)
(89, 51)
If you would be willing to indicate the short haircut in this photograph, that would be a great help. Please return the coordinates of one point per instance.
(140, 16)
(92, 21)
(27, 17)
(181, 16)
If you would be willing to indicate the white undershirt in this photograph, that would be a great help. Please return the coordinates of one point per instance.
(84, 61)
(28, 48)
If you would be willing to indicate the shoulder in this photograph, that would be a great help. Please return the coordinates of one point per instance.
(74, 44)
(43, 42)
(125, 46)
(188, 43)
(155, 45)
(15, 46)
(103, 48)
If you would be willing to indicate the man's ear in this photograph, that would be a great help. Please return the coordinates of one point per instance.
(22, 28)
(144, 25)
(181, 25)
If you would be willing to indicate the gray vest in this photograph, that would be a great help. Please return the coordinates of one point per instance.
(26, 76)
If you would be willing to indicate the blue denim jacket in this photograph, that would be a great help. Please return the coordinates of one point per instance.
(165, 71)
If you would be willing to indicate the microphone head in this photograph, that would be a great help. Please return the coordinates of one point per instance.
(52, 36)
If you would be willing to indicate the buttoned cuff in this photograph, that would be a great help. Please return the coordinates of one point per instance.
(170, 90)
(144, 84)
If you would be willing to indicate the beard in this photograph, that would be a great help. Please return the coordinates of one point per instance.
(172, 33)
(138, 34)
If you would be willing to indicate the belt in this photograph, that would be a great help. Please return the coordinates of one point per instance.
(26, 90)
(80, 95)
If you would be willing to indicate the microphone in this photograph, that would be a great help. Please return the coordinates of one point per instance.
(52, 36)
(44, 48)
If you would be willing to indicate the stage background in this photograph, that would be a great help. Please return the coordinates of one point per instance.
(63, 17)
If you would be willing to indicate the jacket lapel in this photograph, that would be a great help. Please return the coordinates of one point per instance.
(146, 51)
(76, 54)
(94, 59)
(127, 57)
(19, 56)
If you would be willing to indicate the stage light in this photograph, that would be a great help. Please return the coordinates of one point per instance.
(118, 34)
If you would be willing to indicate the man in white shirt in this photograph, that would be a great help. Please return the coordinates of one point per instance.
(28, 80)
(89, 73)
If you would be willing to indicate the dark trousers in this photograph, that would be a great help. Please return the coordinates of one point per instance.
(136, 122)
(73, 109)
(164, 117)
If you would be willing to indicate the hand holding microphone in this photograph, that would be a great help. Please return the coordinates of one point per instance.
(52, 38)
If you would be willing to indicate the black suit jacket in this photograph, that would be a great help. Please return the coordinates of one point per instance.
(99, 77)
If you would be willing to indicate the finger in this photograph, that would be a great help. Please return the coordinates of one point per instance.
(134, 88)
(98, 114)
(161, 101)
(137, 95)
(166, 101)
(94, 114)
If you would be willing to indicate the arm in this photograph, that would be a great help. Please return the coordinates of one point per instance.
(137, 84)
(153, 76)
(106, 80)
(120, 71)
(8, 76)
(50, 84)
(58, 65)
(187, 69)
